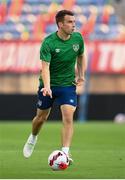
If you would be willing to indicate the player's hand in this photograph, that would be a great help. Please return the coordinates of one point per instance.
(80, 86)
(46, 92)
(80, 82)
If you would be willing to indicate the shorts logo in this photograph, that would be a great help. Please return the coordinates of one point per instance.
(57, 50)
(39, 103)
(75, 47)
(71, 100)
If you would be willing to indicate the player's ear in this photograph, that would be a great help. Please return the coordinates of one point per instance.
(60, 24)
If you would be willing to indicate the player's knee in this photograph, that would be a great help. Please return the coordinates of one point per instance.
(68, 120)
(41, 117)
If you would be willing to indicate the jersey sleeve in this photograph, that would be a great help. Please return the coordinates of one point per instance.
(45, 52)
(81, 50)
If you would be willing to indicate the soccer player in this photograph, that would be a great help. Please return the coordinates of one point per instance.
(59, 53)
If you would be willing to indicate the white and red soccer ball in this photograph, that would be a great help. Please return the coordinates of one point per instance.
(58, 160)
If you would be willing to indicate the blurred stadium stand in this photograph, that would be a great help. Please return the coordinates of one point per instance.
(34, 19)
(24, 24)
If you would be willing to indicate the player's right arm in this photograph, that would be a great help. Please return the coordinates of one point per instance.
(45, 56)
(45, 73)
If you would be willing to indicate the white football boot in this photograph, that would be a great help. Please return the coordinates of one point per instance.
(29, 146)
(70, 159)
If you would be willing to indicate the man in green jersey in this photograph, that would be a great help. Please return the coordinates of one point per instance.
(59, 53)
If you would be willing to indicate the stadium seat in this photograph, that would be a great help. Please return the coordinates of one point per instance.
(51, 28)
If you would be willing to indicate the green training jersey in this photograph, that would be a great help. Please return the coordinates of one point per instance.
(62, 55)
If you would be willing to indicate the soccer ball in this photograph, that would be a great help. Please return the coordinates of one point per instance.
(119, 118)
(58, 160)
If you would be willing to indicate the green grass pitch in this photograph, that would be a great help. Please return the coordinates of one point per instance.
(98, 150)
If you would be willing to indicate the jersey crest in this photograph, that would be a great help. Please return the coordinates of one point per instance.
(75, 47)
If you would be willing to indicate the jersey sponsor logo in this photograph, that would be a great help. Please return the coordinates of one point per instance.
(57, 50)
(75, 47)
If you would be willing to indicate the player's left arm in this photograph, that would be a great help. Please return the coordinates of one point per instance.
(81, 68)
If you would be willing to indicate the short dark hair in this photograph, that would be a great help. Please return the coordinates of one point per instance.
(61, 14)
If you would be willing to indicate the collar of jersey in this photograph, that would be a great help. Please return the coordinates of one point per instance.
(62, 39)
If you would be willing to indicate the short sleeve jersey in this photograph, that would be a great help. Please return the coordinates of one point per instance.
(62, 55)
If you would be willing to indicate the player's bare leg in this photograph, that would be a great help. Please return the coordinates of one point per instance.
(39, 119)
(67, 130)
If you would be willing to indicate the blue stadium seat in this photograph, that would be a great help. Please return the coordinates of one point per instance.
(51, 28)
(90, 2)
(113, 19)
(48, 2)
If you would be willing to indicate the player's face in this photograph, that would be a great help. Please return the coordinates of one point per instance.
(68, 25)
